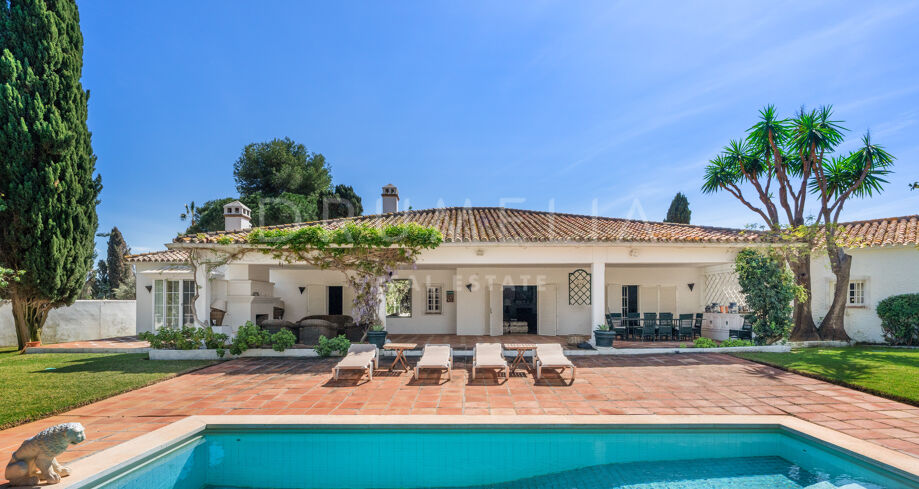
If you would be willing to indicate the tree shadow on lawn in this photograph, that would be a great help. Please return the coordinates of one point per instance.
(126, 363)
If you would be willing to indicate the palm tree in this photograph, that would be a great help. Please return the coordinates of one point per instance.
(785, 160)
(189, 213)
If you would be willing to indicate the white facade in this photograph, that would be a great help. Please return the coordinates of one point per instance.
(470, 281)
(881, 273)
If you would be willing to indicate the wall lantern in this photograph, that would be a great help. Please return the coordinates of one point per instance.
(690, 286)
(301, 290)
(469, 287)
(149, 288)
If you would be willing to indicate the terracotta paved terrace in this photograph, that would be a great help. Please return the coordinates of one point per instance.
(644, 384)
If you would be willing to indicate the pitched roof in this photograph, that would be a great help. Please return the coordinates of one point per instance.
(890, 231)
(166, 256)
(499, 224)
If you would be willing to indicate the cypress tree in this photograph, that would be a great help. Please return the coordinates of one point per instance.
(118, 270)
(679, 210)
(47, 163)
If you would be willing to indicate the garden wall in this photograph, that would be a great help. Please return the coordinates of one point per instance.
(84, 320)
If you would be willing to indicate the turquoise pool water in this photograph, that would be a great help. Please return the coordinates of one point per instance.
(501, 458)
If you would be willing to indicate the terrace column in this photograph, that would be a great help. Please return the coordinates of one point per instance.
(597, 296)
(203, 304)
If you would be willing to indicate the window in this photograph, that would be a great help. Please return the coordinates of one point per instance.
(399, 298)
(173, 303)
(856, 293)
(433, 300)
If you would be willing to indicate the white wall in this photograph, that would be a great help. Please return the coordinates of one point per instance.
(82, 321)
(472, 314)
(688, 301)
(887, 271)
(420, 322)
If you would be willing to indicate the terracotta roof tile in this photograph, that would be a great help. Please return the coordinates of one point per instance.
(891, 231)
(498, 224)
(167, 256)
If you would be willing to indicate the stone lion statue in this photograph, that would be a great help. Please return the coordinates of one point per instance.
(34, 461)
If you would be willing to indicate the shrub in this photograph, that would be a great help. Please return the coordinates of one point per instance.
(326, 346)
(186, 338)
(704, 342)
(769, 289)
(248, 336)
(735, 342)
(900, 319)
(283, 340)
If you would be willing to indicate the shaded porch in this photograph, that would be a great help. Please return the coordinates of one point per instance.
(466, 342)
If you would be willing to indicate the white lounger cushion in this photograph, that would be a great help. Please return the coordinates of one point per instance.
(552, 355)
(436, 356)
(489, 355)
(359, 357)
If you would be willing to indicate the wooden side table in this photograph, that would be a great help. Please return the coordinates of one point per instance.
(399, 348)
(521, 349)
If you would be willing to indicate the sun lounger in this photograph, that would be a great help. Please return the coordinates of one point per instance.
(552, 356)
(359, 357)
(488, 355)
(438, 357)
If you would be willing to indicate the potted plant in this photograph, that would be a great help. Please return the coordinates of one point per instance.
(604, 336)
(377, 335)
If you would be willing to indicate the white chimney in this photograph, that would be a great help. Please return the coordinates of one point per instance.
(236, 216)
(390, 199)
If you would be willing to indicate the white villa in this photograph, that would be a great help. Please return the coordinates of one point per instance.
(507, 271)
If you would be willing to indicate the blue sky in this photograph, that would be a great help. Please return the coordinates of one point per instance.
(586, 107)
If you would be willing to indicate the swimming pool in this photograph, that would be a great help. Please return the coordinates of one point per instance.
(499, 456)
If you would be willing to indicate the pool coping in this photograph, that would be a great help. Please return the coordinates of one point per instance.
(101, 464)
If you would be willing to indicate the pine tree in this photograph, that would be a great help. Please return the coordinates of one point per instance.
(47, 163)
(119, 271)
(679, 210)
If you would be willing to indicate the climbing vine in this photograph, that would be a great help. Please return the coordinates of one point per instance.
(366, 255)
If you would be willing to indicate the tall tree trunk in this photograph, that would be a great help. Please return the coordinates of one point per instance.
(805, 329)
(29, 315)
(833, 327)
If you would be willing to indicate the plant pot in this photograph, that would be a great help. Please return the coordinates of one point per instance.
(604, 338)
(377, 338)
(33, 344)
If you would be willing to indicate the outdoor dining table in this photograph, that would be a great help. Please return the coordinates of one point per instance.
(521, 349)
(399, 348)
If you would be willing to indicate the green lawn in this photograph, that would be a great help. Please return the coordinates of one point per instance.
(38, 385)
(889, 372)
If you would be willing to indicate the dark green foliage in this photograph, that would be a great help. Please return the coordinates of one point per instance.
(248, 336)
(338, 344)
(47, 163)
(119, 271)
(900, 318)
(769, 289)
(278, 166)
(282, 183)
(283, 340)
(186, 338)
(679, 210)
(342, 202)
(284, 209)
(101, 288)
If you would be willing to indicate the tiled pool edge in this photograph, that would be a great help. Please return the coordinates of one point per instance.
(101, 464)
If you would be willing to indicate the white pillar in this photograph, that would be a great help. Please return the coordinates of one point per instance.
(203, 304)
(597, 295)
